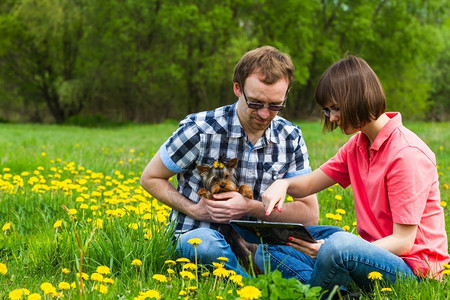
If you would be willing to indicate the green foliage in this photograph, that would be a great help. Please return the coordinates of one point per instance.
(274, 287)
(147, 61)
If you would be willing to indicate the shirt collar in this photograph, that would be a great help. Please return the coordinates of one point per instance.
(235, 129)
(385, 132)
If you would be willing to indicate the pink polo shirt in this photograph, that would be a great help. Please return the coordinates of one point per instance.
(399, 183)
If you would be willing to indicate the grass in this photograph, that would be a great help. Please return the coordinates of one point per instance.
(113, 224)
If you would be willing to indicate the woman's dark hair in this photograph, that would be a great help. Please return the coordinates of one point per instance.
(353, 87)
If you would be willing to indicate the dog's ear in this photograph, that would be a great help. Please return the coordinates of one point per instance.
(232, 163)
(203, 169)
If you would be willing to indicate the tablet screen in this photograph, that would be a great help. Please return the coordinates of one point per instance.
(271, 232)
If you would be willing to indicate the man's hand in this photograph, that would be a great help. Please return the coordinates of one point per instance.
(227, 206)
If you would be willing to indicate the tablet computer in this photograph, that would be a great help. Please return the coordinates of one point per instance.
(271, 232)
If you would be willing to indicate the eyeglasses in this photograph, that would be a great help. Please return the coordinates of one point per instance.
(257, 105)
(326, 111)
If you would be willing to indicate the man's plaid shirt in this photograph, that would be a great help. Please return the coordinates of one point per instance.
(202, 137)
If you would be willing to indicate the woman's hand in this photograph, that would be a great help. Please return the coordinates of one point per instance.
(308, 248)
(274, 196)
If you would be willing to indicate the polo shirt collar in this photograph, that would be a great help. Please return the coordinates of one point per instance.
(235, 129)
(385, 132)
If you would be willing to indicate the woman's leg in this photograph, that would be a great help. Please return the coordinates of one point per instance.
(345, 257)
(213, 245)
(289, 261)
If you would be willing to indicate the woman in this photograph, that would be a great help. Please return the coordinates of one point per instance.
(395, 184)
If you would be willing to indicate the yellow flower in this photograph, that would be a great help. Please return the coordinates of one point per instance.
(103, 270)
(57, 224)
(205, 274)
(34, 296)
(220, 272)
(340, 211)
(446, 272)
(346, 227)
(386, 289)
(160, 277)
(136, 262)
(375, 276)
(149, 294)
(3, 269)
(6, 227)
(443, 203)
(83, 275)
(187, 274)
(108, 280)
(48, 288)
(97, 277)
(183, 260)
(249, 292)
(223, 259)
(194, 242)
(170, 271)
(190, 266)
(65, 271)
(338, 197)
(64, 285)
(18, 294)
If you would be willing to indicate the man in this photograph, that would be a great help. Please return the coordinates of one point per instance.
(268, 147)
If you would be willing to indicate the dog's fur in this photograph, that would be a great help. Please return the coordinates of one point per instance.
(218, 178)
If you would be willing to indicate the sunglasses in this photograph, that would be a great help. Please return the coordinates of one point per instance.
(257, 105)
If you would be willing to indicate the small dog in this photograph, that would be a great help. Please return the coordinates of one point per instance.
(218, 178)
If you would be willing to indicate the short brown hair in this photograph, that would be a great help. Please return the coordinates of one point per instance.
(272, 64)
(355, 88)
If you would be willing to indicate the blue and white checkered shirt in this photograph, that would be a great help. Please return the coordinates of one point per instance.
(202, 137)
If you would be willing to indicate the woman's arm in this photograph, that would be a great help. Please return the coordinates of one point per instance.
(297, 187)
(401, 241)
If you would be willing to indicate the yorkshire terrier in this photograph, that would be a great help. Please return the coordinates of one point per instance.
(219, 178)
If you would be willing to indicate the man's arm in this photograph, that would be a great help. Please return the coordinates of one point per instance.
(155, 180)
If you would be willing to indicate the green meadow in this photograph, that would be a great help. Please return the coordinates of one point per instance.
(77, 225)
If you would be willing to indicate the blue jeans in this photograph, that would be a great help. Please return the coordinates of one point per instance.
(343, 258)
(289, 261)
(213, 245)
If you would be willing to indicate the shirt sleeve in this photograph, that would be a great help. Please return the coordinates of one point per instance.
(181, 150)
(337, 167)
(300, 165)
(409, 179)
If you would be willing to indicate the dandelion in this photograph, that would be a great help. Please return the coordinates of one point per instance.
(195, 241)
(338, 197)
(34, 296)
(386, 289)
(18, 294)
(340, 211)
(220, 272)
(108, 280)
(170, 271)
(446, 272)
(57, 224)
(190, 266)
(136, 262)
(443, 203)
(183, 260)
(148, 294)
(205, 274)
(6, 227)
(64, 286)
(101, 288)
(346, 227)
(3, 269)
(160, 277)
(187, 274)
(65, 271)
(223, 259)
(104, 270)
(48, 288)
(375, 276)
(249, 293)
(97, 277)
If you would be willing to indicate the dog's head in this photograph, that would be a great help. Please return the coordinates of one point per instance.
(220, 177)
